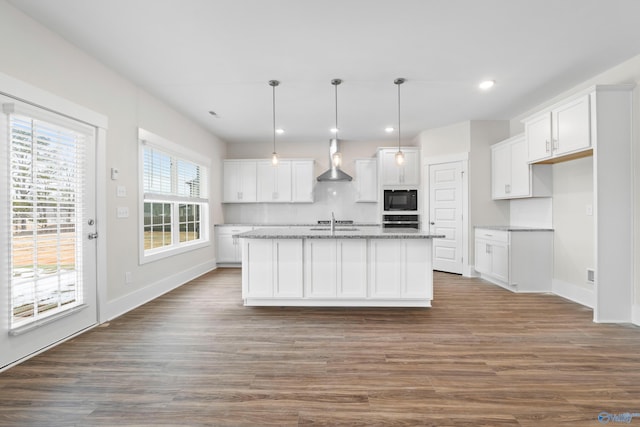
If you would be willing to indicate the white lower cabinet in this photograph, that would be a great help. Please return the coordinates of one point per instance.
(228, 249)
(272, 268)
(400, 269)
(519, 260)
(335, 268)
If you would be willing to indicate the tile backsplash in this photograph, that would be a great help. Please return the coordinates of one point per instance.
(337, 197)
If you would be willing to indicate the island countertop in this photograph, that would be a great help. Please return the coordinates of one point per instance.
(341, 232)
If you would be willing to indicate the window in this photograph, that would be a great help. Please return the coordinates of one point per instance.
(46, 182)
(175, 198)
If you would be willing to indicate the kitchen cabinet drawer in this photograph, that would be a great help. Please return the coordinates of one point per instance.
(499, 236)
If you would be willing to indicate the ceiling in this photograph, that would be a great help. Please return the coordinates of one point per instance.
(218, 55)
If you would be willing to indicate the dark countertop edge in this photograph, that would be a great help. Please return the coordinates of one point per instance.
(512, 228)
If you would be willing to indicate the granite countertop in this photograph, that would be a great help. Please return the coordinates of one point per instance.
(512, 228)
(341, 232)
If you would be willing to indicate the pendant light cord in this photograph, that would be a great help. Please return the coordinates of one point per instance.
(398, 82)
(335, 86)
(274, 117)
(399, 138)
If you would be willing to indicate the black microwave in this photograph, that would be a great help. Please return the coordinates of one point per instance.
(400, 200)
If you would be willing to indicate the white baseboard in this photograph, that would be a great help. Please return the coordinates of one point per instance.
(575, 293)
(469, 271)
(124, 304)
(635, 314)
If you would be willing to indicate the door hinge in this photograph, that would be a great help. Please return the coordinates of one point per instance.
(92, 236)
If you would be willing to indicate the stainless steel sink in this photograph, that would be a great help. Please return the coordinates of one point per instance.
(336, 229)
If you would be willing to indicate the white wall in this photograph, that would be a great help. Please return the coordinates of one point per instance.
(472, 137)
(573, 242)
(452, 139)
(35, 55)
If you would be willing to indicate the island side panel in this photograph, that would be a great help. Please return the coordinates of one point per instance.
(418, 269)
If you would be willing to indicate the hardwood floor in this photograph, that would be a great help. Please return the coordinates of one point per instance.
(482, 356)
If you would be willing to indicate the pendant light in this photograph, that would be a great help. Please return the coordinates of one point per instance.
(336, 158)
(399, 154)
(274, 156)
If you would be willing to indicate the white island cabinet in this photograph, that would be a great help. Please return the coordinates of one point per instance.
(364, 266)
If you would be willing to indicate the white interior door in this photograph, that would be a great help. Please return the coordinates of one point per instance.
(445, 215)
(47, 246)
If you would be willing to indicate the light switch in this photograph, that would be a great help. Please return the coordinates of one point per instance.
(121, 191)
(589, 210)
(123, 212)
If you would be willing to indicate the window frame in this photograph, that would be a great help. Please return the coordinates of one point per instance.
(177, 152)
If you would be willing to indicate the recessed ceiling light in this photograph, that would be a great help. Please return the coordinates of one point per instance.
(389, 129)
(487, 84)
(334, 130)
(279, 131)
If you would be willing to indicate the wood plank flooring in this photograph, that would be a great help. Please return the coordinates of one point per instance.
(481, 356)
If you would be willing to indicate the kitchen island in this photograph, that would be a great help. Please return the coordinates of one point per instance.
(346, 266)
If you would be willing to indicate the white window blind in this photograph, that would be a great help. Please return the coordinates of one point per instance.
(46, 180)
(175, 201)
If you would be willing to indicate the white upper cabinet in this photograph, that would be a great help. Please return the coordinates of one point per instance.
(253, 181)
(302, 181)
(406, 175)
(274, 182)
(560, 131)
(239, 181)
(571, 127)
(366, 180)
(511, 174)
(538, 136)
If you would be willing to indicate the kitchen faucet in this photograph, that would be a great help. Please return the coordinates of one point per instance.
(333, 223)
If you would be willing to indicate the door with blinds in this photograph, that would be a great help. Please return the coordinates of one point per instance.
(47, 229)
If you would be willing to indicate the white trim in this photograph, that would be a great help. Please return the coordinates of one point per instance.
(172, 148)
(575, 293)
(126, 303)
(21, 91)
(635, 314)
(101, 223)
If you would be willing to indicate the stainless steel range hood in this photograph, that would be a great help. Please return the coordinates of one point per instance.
(334, 174)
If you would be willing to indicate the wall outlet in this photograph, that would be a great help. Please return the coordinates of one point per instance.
(591, 275)
(128, 277)
(589, 210)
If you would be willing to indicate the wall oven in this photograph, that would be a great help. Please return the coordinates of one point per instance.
(400, 200)
(400, 221)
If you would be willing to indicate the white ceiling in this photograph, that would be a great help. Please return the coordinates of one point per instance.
(202, 55)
